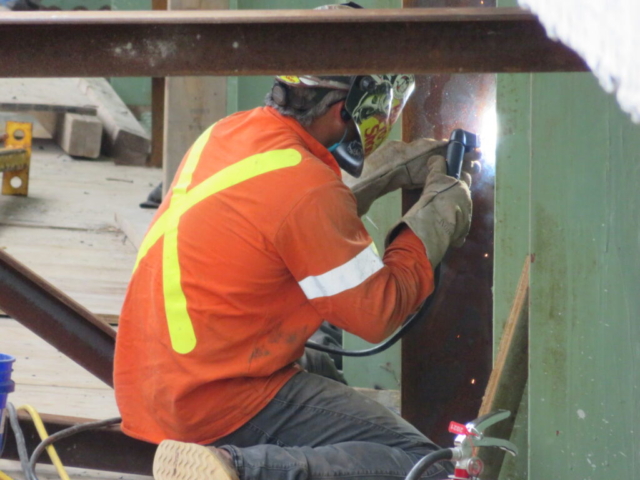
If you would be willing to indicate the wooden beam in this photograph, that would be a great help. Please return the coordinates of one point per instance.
(157, 109)
(510, 372)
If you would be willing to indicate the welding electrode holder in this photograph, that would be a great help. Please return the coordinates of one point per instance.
(460, 142)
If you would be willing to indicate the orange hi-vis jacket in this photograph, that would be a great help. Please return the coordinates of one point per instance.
(257, 242)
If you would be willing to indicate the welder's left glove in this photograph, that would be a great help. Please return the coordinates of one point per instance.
(442, 216)
(399, 165)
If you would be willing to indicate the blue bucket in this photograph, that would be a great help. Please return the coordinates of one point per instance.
(6, 387)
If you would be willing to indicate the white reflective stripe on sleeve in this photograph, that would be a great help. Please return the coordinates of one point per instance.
(344, 277)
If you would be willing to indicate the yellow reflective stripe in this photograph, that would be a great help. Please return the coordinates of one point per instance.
(183, 339)
(190, 165)
(243, 170)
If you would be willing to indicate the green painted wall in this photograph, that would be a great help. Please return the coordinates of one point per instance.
(585, 219)
(567, 179)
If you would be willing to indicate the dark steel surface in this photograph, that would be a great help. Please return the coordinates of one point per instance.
(103, 449)
(56, 318)
(446, 361)
(157, 44)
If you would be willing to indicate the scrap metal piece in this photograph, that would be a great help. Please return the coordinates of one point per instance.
(15, 159)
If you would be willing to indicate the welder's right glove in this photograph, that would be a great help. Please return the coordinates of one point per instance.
(442, 215)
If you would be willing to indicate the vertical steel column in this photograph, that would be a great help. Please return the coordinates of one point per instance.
(56, 318)
(446, 362)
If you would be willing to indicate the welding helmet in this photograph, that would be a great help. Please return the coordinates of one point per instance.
(373, 102)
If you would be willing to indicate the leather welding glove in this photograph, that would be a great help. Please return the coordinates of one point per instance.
(442, 215)
(399, 165)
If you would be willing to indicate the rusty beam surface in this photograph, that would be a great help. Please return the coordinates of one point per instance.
(446, 361)
(56, 318)
(102, 449)
(255, 42)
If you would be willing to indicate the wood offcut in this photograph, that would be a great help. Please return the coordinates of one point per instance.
(510, 372)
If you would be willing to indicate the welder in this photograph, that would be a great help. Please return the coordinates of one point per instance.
(259, 241)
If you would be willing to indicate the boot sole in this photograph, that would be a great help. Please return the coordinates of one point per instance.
(189, 461)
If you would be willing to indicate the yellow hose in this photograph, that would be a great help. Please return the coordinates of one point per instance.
(42, 431)
(4, 476)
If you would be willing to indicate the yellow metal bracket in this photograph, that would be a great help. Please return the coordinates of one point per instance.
(15, 158)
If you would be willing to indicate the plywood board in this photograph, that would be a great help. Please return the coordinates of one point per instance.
(50, 381)
(67, 193)
(44, 94)
(93, 267)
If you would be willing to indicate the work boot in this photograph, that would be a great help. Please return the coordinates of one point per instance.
(190, 461)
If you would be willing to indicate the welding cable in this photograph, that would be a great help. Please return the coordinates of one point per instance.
(67, 432)
(431, 459)
(411, 321)
(21, 444)
(42, 431)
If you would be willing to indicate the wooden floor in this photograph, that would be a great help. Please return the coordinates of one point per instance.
(66, 231)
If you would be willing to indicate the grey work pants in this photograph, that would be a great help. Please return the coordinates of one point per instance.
(316, 428)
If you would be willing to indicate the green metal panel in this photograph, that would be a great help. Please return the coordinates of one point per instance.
(512, 219)
(77, 4)
(585, 216)
(511, 238)
(583, 221)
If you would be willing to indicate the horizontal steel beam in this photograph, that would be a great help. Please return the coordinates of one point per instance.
(56, 318)
(253, 42)
(102, 449)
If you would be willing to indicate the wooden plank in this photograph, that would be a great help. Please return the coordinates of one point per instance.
(49, 380)
(69, 194)
(126, 141)
(509, 375)
(92, 267)
(59, 95)
(192, 104)
(157, 108)
(158, 86)
(134, 223)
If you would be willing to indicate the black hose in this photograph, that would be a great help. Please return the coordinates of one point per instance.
(21, 444)
(67, 432)
(431, 459)
(392, 340)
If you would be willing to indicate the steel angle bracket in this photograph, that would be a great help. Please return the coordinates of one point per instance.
(15, 158)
